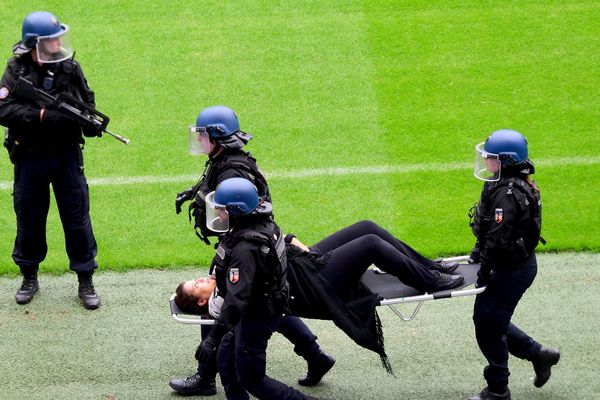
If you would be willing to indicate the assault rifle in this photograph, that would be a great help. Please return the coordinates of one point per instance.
(69, 105)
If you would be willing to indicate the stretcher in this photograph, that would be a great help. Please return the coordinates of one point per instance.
(392, 291)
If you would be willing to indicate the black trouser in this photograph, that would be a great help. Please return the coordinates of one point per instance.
(292, 328)
(34, 172)
(496, 335)
(242, 363)
(353, 249)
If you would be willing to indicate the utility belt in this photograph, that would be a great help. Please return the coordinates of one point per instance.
(17, 152)
(512, 266)
(514, 257)
(267, 306)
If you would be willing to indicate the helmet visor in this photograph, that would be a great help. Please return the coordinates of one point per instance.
(217, 217)
(487, 165)
(54, 48)
(199, 141)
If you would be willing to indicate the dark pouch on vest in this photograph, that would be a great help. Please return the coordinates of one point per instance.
(11, 147)
(521, 249)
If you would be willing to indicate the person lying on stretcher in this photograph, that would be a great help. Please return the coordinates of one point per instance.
(324, 280)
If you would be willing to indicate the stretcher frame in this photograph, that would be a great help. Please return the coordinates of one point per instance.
(470, 274)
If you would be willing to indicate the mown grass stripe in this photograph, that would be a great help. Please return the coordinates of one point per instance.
(330, 171)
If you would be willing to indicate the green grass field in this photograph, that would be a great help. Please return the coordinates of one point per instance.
(130, 347)
(352, 84)
(360, 110)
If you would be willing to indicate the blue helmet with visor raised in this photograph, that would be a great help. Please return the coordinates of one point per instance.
(216, 124)
(233, 197)
(42, 31)
(503, 148)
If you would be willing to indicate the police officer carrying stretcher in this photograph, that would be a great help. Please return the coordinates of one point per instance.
(251, 276)
(45, 146)
(507, 223)
(217, 133)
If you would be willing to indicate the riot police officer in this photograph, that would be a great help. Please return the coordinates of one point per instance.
(507, 223)
(217, 134)
(45, 147)
(251, 273)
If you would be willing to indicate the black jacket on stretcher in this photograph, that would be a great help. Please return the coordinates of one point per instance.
(240, 273)
(312, 296)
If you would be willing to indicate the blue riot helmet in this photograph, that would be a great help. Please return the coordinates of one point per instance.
(233, 197)
(43, 32)
(503, 148)
(216, 124)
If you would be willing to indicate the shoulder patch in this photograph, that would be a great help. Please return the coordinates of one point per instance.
(234, 275)
(498, 215)
(4, 92)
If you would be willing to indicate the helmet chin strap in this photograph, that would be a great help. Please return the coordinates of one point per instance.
(217, 149)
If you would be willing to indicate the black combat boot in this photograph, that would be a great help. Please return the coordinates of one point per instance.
(542, 363)
(28, 287)
(194, 386)
(318, 366)
(87, 293)
(487, 395)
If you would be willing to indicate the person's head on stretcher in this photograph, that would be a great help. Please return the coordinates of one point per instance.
(193, 295)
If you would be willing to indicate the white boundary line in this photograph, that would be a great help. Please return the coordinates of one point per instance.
(332, 171)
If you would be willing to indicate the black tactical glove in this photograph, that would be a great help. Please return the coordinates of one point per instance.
(208, 347)
(206, 350)
(182, 197)
(91, 131)
(474, 257)
(56, 118)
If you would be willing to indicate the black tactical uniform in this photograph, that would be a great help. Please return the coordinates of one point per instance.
(47, 150)
(507, 225)
(251, 275)
(228, 163)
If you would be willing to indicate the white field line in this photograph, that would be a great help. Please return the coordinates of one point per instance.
(331, 171)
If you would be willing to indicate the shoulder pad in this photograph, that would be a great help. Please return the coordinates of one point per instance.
(523, 193)
(14, 65)
(256, 236)
(239, 159)
(221, 253)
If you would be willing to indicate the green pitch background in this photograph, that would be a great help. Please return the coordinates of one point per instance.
(410, 86)
(330, 84)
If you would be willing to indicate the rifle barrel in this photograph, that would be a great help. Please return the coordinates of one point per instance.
(117, 136)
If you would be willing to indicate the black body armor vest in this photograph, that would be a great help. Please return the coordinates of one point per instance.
(528, 231)
(240, 161)
(272, 296)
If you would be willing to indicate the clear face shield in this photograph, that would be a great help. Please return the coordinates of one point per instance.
(199, 141)
(487, 165)
(54, 48)
(217, 217)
